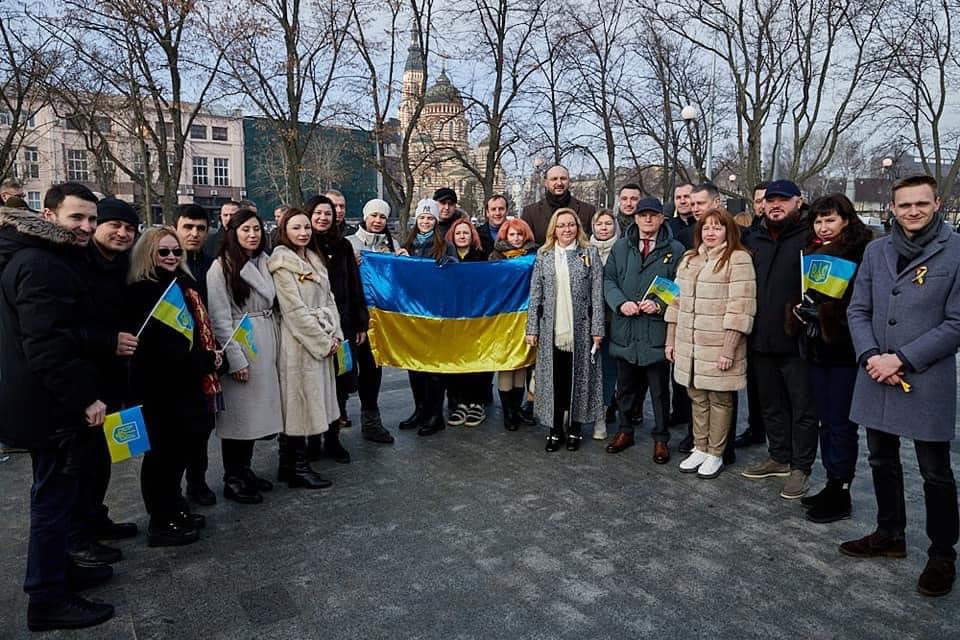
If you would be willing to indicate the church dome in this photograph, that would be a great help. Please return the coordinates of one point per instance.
(443, 91)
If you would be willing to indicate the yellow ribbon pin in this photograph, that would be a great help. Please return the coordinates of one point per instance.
(905, 386)
(921, 273)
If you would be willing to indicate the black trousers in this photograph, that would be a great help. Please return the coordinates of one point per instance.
(237, 456)
(939, 491)
(369, 377)
(562, 384)
(197, 459)
(632, 380)
(53, 506)
(91, 512)
(789, 411)
(468, 388)
(428, 390)
(173, 443)
(754, 408)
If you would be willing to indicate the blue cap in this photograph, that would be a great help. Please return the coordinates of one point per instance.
(649, 204)
(784, 188)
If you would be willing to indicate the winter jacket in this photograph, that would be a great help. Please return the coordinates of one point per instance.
(538, 214)
(364, 240)
(683, 230)
(488, 238)
(108, 292)
(345, 283)
(47, 374)
(503, 250)
(199, 262)
(711, 318)
(627, 275)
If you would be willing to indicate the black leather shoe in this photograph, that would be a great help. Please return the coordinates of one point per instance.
(553, 442)
(573, 442)
(432, 425)
(95, 555)
(237, 490)
(937, 578)
(110, 530)
(192, 520)
(413, 421)
(261, 484)
(171, 534)
(201, 494)
(686, 445)
(377, 434)
(82, 578)
(73, 612)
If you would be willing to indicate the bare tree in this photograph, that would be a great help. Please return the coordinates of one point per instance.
(545, 94)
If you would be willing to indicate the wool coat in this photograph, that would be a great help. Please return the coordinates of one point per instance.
(627, 275)
(252, 408)
(584, 267)
(309, 322)
(712, 317)
(916, 314)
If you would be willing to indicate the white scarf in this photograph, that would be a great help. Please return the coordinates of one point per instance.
(563, 318)
(604, 246)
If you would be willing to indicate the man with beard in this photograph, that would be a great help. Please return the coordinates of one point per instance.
(783, 380)
(557, 195)
(496, 215)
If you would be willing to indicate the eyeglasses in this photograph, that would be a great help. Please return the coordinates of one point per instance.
(163, 252)
(569, 225)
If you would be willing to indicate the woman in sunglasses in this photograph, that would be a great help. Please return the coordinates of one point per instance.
(173, 375)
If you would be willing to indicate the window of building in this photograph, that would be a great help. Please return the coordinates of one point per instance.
(198, 132)
(77, 169)
(33, 200)
(6, 119)
(201, 174)
(218, 133)
(221, 172)
(167, 129)
(31, 163)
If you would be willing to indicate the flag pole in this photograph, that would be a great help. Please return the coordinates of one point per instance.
(232, 335)
(150, 315)
(802, 282)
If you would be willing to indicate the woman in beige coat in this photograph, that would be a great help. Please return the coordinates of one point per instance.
(707, 327)
(309, 337)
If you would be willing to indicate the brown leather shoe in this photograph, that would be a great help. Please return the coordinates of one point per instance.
(875, 546)
(661, 453)
(620, 442)
(937, 578)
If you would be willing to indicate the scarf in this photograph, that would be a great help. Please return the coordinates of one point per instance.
(204, 332)
(909, 248)
(423, 239)
(563, 318)
(558, 202)
(604, 246)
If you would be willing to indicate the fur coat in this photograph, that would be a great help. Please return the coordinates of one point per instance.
(711, 318)
(252, 408)
(308, 324)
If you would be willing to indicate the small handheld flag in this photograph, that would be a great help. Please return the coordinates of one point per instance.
(662, 288)
(126, 434)
(243, 335)
(171, 310)
(829, 275)
(344, 358)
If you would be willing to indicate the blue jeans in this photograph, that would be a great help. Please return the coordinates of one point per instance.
(832, 392)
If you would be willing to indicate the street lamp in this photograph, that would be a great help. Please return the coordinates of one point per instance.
(690, 113)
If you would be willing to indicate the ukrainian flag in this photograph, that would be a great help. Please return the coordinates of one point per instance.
(344, 358)
(664, 289)
(126, 434)
(829, 275)
(172, 311)
(243, 335)
(465, 317)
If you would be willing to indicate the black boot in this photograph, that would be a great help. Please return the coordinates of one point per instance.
(574, 435)
(526, 414)
(285, 463)
(239, 490)
(332, 447)
(72, 612)
(506, 404)
(371, 427)
(417, 383)
(832, 504)
(302, 475)
(260, 484)
(314, 447)
(433, 421)
(172, 532)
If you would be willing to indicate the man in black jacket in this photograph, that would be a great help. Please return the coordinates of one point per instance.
(496, 213)
(49, 398)
(557, 195)
(783, 380)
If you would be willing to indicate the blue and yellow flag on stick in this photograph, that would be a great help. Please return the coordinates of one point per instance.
(243, 335)
(466, 317)
(171, 310)
(344, 358)
(829, 275)
(126, 434)
(664, 289)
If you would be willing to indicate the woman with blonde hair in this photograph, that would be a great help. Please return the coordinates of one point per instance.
(565, 318)
(173, 375)
(707, 327)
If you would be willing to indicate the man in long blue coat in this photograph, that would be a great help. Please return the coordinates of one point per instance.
(905, 321)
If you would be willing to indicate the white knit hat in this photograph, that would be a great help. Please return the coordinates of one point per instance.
(376, 206)
(428, 206)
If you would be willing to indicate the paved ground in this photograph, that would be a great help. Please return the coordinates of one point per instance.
(477, 533)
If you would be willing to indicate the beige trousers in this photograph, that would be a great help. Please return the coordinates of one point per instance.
(711, 413)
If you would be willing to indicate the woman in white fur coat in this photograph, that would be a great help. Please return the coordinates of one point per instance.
(310, 334)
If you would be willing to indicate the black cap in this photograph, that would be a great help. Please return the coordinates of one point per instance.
(649, 204)
(784, 188)
(445, 193)
(116, 209)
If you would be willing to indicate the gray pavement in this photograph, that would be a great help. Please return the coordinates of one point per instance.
(478, 533)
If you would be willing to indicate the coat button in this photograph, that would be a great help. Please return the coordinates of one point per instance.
(891, 322)
(896, 292)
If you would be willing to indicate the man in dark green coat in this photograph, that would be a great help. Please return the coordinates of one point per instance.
(637, 329)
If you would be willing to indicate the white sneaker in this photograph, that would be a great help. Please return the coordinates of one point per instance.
(693, 461)
(600, 432)
(710, 468)
(458, 417)
(475, 415)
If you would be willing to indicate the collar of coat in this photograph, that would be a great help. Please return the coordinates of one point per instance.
(284, 259)
(254, 274)
(34, 226)
(664, 236)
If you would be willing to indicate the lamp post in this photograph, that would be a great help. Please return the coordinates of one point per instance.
(887, 166)
(690, 113)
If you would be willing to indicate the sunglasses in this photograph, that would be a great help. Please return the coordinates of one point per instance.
(163, 252)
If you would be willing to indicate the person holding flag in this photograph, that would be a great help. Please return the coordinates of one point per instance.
(837, 240)
(242, 300)
(707, 325)
(173, 375)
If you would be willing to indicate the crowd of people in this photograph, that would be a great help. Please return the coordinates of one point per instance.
(78, 282)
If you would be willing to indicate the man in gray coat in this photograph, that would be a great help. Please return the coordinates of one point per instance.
(905, 321)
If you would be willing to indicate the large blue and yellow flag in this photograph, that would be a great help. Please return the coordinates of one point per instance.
(829, 275)
(171, 310)
(243, 335)
(126, 434)
(464, 317)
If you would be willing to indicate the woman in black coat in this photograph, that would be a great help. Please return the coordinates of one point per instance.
(174, 380)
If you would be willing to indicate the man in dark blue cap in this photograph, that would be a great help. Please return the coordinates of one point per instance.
(782, 377)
